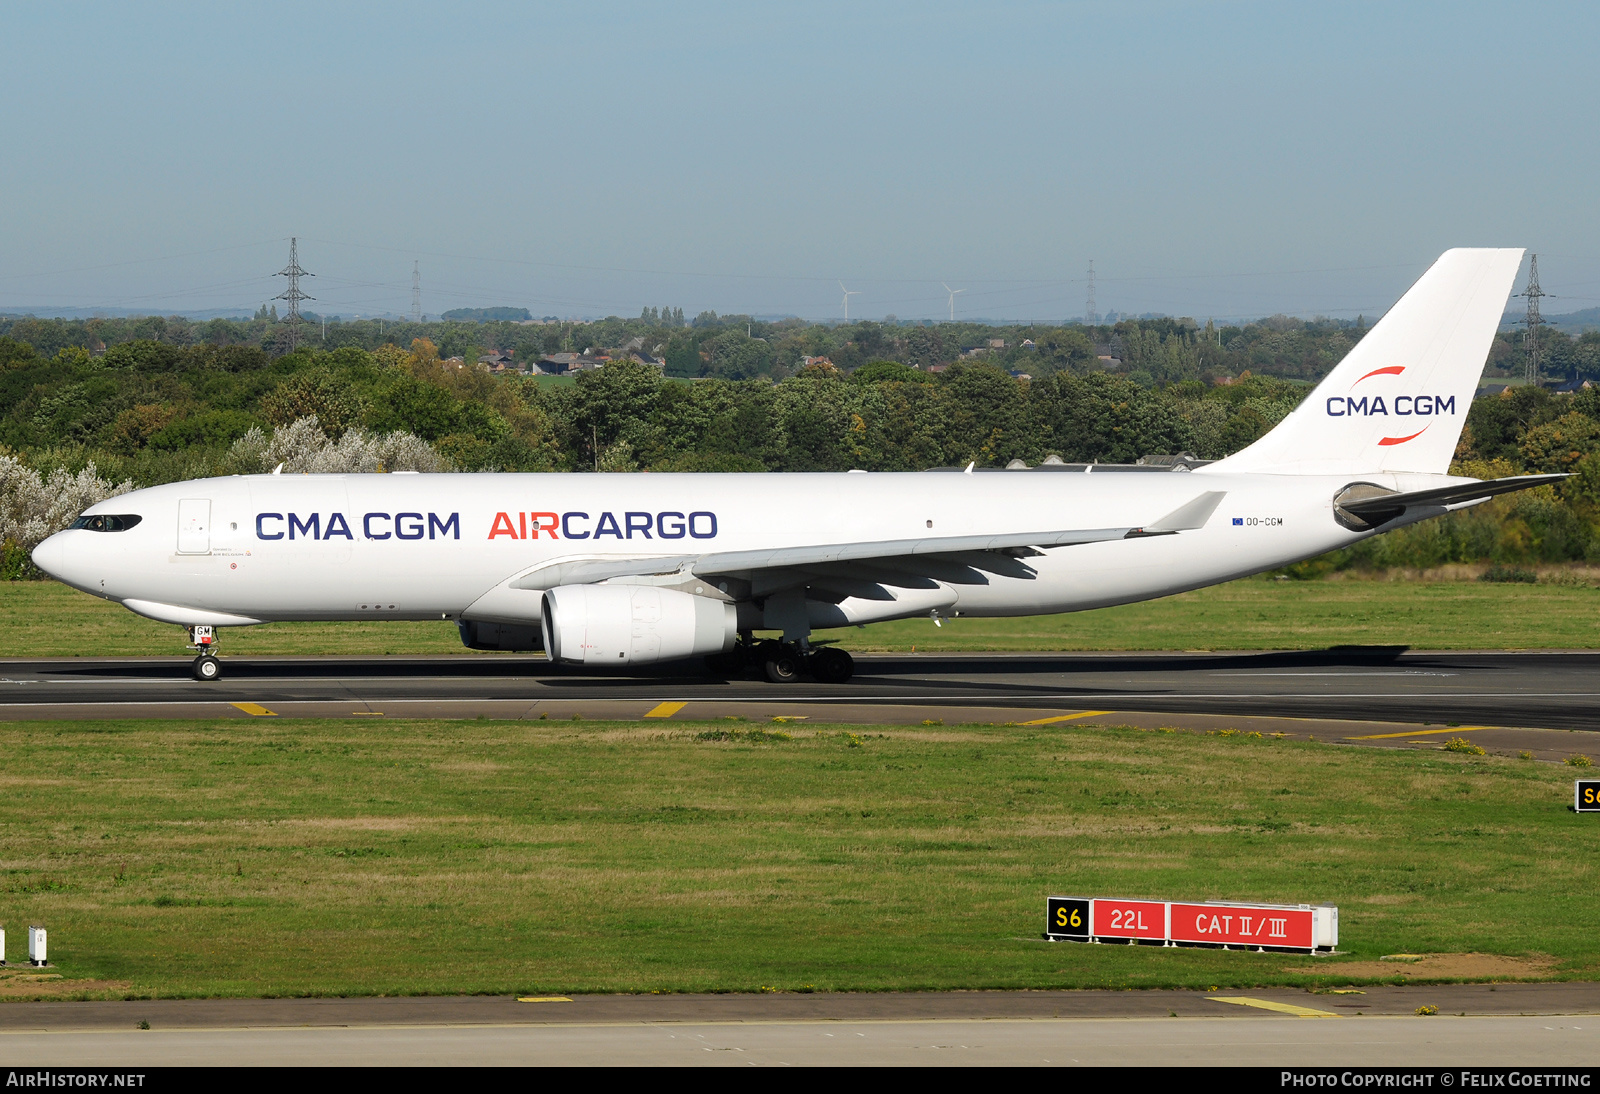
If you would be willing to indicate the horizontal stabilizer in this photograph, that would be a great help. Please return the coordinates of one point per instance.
(1372, 505)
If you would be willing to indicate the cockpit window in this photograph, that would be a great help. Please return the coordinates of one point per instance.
(107, 522)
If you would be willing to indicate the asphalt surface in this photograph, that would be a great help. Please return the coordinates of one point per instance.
(1541, 702)
(1475, 1000)
(1543, 1025)
(1555, 1050)
(1547, 689)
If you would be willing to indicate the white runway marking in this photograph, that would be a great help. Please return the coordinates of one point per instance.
(1397, 673)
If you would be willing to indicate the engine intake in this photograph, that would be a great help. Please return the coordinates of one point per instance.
(633, 625)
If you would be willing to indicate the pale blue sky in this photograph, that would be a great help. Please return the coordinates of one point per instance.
(1213, 159)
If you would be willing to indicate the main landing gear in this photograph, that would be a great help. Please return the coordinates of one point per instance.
(783, 662)
(206, 667)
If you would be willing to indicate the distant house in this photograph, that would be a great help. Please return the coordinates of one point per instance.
(558, 364)
(1571, 386)
(937, 368)
(459, 362)
(1027, 343)
(498, 361)
(823, 361)
(997, 343)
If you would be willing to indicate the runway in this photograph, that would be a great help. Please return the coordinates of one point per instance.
(1548, 689)
(1530, 1025)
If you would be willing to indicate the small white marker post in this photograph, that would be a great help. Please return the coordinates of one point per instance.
(2, 946)
(36, 947)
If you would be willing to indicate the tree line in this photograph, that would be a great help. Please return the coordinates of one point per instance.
(157, 412)
(151, 410)
(1150, 352)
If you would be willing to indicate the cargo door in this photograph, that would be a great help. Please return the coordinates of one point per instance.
(194, 526)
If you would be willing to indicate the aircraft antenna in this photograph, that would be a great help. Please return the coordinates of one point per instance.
(1090, 315)
(1530, 336)
(416, 292)
(293, 294)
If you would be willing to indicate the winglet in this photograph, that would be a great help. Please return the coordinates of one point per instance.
(1189, 517)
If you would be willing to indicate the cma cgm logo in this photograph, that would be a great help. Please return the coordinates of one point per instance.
(373, 526)
(575, 525)
(1369, 406)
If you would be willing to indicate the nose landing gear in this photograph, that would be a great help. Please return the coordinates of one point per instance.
(206, 667)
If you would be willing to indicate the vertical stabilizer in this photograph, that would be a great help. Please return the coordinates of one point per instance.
(1397, 401)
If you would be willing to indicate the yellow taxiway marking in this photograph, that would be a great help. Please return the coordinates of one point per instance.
(368, 713)
(1416, 733)
(1268, 1004)
(664, 710)
(255, 709)
(543, 999)
(790, 717)
(1067, 717)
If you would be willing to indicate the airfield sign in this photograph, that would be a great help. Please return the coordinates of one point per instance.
(1586, 796)
(1304, 928)
(1067, 917)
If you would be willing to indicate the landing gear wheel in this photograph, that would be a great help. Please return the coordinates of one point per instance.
(206, 668)
(832, 666)
(783, 666)
(727, 663)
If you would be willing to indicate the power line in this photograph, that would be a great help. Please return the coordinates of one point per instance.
(735, 276)
(136, 261)
(293, 295)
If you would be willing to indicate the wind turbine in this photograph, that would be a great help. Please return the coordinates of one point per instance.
(952, 293)
(848, 293)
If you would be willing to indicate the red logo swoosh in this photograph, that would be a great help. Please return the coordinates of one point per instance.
(1391, 370)
(1403, 440)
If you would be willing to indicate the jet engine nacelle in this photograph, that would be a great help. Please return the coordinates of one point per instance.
(633, 625)
(506, 637)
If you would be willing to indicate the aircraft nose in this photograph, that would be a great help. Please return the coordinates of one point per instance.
(51, 556)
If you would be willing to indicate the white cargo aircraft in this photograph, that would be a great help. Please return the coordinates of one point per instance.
(612, 570)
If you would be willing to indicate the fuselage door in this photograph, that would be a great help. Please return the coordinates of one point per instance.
(194, 526)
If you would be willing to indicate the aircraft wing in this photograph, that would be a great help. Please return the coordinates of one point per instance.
(860, 569)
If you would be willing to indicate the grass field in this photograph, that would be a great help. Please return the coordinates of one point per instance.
(46, 619)
(273, 856)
